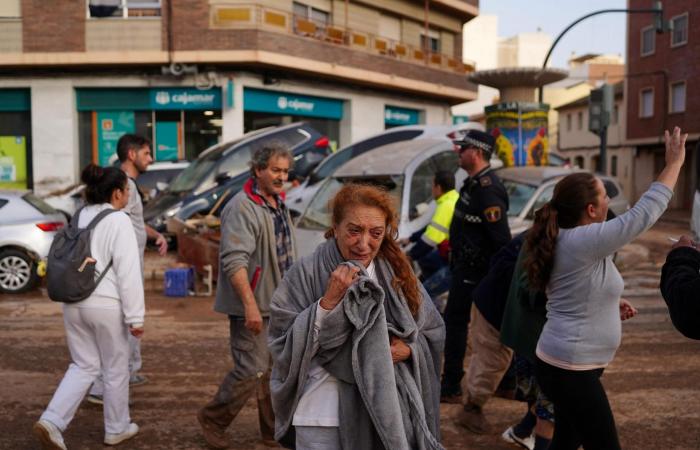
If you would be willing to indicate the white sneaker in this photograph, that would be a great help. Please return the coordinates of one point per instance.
(114, 439)
(510, 437)
(49, 435)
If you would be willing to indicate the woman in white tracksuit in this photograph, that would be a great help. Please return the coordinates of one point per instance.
(97, 327)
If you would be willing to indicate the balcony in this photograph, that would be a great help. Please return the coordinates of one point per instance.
(257, 17)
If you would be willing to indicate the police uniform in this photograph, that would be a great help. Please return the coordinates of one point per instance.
(479, 229)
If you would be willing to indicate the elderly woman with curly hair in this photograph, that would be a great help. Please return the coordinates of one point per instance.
(355, 339)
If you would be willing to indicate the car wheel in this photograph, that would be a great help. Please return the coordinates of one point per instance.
(17, 272)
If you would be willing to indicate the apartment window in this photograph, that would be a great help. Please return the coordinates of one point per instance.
(431, 42)
(648, 37)
(679, 34)
(613, 165)
(579, 120)
(568, 122)
(317, 16)
(579, 162)
(677, 97)
(123, 8)
(646, 102)
(615, 115)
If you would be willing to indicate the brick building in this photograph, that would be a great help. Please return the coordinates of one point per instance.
(189, 73)
(663, 90)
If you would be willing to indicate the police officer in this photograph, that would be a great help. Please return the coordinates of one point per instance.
(479, 229)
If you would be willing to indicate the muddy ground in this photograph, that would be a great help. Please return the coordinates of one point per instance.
(653, 383)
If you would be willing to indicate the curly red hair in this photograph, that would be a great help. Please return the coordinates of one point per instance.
(354, 194)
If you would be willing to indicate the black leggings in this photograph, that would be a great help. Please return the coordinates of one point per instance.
(582, 414)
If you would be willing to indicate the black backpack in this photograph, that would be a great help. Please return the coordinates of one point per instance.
(70, 271)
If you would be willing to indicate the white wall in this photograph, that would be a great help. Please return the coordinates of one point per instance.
(55, 154)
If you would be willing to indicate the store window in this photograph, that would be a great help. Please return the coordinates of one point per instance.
(15, 139)
(679, 30)
(677, 97)
(646, 102)
(123, 8)
(648, 41)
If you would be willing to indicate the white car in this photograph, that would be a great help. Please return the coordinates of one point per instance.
(406, 169)
(27, 228)
(531, 187)
(298, 197)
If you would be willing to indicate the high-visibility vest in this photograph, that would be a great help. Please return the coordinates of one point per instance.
(439, 228)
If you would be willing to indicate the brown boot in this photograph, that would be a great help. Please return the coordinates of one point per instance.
(214, 434)
(472, 418)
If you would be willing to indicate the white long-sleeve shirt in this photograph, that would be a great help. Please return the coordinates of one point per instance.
(122, 287)
(319, 404)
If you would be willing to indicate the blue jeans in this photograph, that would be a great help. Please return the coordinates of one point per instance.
(437, 284)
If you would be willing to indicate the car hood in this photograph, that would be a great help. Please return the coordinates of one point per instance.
(161, 203)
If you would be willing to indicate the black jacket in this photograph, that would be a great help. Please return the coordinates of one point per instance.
(680, 287)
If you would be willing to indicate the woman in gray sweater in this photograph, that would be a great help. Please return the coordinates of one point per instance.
(570, 249)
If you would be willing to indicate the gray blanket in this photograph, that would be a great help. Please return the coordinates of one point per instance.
(382, 404)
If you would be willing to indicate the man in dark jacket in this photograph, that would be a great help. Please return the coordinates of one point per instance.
(680, 284)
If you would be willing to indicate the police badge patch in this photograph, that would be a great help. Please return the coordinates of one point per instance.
(485, 181)
(493, 214)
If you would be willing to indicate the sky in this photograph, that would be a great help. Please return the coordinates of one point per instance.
(604, 33)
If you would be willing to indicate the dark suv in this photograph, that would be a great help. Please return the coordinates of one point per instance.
(224, 167)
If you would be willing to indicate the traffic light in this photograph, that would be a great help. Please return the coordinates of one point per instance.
(600, 106)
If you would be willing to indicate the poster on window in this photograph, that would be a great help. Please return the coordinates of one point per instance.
(111, 125)
(13, 162)
(167, 146)
(520, 130)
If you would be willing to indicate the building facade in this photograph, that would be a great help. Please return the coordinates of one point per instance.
(190, 73)
(663, 91)
(582, 147)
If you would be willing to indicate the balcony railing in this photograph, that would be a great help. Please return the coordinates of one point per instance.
(241, 16)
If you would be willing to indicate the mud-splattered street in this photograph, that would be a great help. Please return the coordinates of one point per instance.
(653, 383)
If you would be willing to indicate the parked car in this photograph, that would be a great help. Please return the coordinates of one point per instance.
(531, 187)
(405, 169)
(223, 166)
(155, 179)
(27, 228)
(298, 198)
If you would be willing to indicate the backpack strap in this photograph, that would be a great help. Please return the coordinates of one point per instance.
(76, 216)
(93, 223)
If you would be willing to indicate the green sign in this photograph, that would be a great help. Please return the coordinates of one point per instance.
(13, 162)
(166, 148)
(261, 100)
(111, 125)
(15, 100)
(456, 120)
(393, 115)
(146, 99)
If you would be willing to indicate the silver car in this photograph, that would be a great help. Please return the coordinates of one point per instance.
(27, 228)
(531, 187)
(406, 169)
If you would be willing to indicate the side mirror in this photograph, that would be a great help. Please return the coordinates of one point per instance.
(221, 178)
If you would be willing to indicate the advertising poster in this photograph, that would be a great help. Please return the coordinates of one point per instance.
(13, 162)
(167, 141)
(521, 131)
(111, 125)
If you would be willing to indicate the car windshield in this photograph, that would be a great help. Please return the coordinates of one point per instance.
(518, 196)
(318, 214)
(198, 171)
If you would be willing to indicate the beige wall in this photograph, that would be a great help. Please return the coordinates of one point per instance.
(123, 35)
(10, 8)
(10, 36)
(557, 96)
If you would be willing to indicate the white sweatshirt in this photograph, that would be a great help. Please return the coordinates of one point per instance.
(122, 287)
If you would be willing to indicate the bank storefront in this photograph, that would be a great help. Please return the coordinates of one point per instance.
(263, 107)
(181, 122)
(15, 139)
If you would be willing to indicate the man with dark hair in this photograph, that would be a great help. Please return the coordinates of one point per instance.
(680, 284)
(134, 153)
(257, 247)
(431, 243)
(478, 230)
